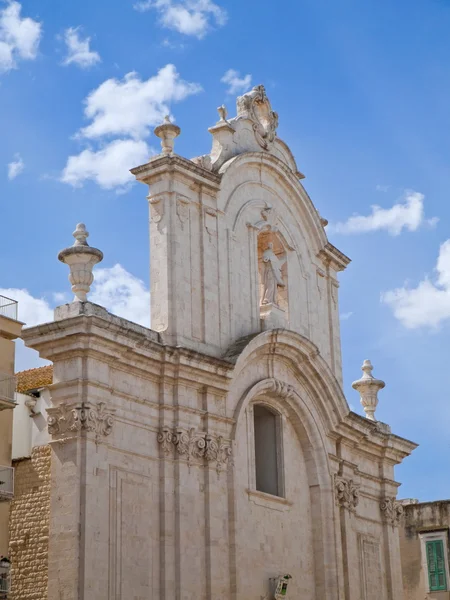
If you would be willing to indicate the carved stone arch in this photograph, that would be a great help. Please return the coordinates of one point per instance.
(308, 367)
(282, 397)
(307, 215)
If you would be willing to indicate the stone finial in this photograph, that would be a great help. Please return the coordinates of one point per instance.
(222, 110)
(81, 259)
(368, 388)
(167, 132)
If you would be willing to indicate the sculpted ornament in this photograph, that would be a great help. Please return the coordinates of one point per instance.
(272, 277)
(255, 106)
(67, 418)
(392, 510)
(281, 389)
(156, 208)
(347, 493)
(182, 209)
(267, 221)
(192, 444)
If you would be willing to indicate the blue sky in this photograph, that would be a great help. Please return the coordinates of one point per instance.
(362, 91)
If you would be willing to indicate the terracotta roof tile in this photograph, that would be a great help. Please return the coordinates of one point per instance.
(34, 378)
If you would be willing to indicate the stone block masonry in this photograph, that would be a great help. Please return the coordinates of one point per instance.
(29, 526)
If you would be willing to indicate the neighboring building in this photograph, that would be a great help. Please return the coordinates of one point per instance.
(424, 548)
(214, 457)
(10, 329)
(30, 509)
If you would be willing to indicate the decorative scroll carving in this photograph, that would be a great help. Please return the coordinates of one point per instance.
(347, 493)
(156, 208)
(182, 209)
(211, 221)
(268, 220)
(196, 445)
(255, 106)
(62, 419)
(165, 439)
(392, 510)
(76, 417)
(280, 389)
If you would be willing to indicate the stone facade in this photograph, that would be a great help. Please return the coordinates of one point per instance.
(29, 526)
(161, 439)
(424, 522)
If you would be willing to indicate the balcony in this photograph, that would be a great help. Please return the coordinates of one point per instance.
(8, 308)
(7, 391)
(6, 483)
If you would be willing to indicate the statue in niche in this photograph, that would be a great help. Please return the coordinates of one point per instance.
(271, 276)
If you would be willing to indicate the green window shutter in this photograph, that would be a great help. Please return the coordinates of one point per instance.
(436, 565)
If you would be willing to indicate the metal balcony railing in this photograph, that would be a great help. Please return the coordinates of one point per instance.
(7, 390)
(6, 483)
(8, 308)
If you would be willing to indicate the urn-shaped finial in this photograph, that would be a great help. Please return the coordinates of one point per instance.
(368, 388)
(81, 259)
(167, 132)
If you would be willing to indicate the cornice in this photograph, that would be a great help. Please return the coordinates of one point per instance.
(175, 163)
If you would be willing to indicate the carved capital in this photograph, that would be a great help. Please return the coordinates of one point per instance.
(347, 493)
(196, 445)
(69, 418)
(392, 510)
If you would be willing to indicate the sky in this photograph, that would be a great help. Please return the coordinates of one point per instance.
(362, 90)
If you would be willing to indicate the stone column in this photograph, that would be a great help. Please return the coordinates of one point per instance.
(347, 498)
(392, 512)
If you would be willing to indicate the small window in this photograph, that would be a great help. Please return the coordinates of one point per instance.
(267, 450)
(436, 565)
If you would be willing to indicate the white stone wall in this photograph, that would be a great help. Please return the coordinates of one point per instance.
(30, 427)
(137, 512)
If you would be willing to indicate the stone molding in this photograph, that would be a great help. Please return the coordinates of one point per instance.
(392, 510)
(347, 493)
(66, 418)
(192, 444)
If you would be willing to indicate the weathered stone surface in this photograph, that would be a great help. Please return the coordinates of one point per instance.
(29, 526)
(243, 373)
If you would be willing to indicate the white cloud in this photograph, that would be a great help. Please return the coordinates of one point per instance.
(235, 82)
(190, 17)
(19, 37)
(131, 106)
(15, 167)
(127, 109)
(114, 288)
(346, 316)
(382, 188)
(407, 214)
(78, 51)
(109, 166)
(122, 294)
(428, 304)
(31, 311)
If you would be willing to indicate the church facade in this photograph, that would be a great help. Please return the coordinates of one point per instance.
(214, 456)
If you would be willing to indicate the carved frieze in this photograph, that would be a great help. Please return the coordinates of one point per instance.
(196, 445)
(69, 418)
(347, 493)
(392, 510)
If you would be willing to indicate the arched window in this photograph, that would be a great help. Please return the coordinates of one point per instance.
(267, 450)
